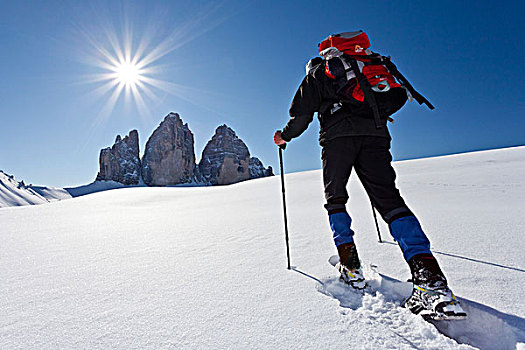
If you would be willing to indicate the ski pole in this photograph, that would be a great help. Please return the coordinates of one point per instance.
(281, 148)
(377, 225)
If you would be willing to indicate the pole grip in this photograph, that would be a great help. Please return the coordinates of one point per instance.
(283, 147)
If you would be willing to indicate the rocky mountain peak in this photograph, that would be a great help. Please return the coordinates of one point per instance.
(225, 130)
(169, 158)
(257, 169)
(121, 162)
(225, 159)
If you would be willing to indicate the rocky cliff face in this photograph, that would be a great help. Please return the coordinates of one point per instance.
(257, 169)
(121, 162)
(225, 159)
(169, 158)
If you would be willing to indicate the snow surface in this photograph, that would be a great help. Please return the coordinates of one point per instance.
(205, 267)
(16, 193)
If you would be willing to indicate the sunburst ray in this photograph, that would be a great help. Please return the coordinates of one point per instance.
(128, 59)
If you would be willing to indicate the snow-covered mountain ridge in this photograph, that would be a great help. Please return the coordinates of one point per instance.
(16, 193)
(205, 267)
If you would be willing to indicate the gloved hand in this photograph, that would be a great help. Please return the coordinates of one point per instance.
(278, 139)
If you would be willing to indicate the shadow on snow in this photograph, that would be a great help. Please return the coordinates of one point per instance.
(470, 259)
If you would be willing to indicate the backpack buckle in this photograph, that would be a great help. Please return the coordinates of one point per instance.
(336, 106)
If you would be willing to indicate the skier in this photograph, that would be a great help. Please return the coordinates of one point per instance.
(354, 138)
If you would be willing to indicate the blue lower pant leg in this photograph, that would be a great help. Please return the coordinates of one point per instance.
(410, 236)
(340, 225)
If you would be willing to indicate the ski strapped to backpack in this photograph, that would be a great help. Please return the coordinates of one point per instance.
(361, 75)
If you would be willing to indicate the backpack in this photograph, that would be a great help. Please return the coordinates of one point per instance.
(366, 82)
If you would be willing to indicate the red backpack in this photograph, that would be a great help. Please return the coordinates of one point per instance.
(366, 82)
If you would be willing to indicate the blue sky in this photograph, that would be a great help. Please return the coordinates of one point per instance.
(239, 63)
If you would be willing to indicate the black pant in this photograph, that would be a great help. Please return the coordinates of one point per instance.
(371, 158)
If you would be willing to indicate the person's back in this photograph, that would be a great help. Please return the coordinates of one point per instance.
(354, 98)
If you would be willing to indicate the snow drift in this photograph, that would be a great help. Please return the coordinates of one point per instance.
(205, 267)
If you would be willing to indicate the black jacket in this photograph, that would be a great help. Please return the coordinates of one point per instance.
(317, 93)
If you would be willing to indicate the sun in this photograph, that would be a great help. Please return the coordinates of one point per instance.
(128, 74)
(126, 60)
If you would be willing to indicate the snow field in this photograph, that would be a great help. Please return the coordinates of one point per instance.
(200, 268)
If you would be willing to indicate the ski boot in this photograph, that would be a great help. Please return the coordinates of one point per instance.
(350, 267)
(431, 298)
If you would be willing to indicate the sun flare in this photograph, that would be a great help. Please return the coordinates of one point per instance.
(127, 74)
(131, 65)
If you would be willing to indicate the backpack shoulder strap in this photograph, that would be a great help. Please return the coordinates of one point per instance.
(367, 89)
(313, 65)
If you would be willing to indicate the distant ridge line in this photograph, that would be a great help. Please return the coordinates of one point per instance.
(460, 152)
